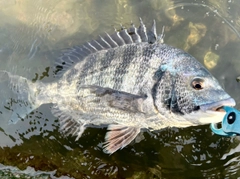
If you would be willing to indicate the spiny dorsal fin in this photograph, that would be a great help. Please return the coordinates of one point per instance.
(142, 31)
(122, 37)
(152, 34)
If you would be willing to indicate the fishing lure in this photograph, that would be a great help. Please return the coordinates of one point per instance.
(230, 123)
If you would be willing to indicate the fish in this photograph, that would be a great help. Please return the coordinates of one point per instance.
(230, 123)
(129, 81)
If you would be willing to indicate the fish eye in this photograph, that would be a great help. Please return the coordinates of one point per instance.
(231, 118)
(197, 83)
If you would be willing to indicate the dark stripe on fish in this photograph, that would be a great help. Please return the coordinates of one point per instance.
(147, 54)
(90, 62)
(106, 63)
(127, 56)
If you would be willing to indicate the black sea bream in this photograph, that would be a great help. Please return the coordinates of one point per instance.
(128, 81)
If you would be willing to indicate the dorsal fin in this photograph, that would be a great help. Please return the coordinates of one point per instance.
(122, 37)
(152, 34)
(142, 31)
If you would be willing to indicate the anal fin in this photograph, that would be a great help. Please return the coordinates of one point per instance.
(118, 137)
(68, 124)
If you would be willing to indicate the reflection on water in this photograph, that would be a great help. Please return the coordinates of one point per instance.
(32, 35)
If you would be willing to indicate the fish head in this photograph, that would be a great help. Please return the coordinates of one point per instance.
(187, 88)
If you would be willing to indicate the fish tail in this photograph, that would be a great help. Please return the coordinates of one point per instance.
(23, 99)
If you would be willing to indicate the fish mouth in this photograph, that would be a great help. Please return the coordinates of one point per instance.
(218, 106)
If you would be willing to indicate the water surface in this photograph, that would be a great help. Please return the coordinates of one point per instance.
(32, 35)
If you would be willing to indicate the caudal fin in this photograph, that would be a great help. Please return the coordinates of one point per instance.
(22, 100)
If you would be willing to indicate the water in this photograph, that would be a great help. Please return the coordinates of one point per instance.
(32, 35)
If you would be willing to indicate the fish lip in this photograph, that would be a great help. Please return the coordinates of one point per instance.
(217, 106)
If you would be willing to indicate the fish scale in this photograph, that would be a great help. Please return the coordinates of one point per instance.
(105, 62)
(129, 81)
(143, 66)
(127, 69)
(128, 55)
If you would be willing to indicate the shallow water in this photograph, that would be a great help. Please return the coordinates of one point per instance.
(32, 35)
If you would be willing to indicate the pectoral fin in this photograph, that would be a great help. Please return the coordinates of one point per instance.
(118, 137)
(114, 99)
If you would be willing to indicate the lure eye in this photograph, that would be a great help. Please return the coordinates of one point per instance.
(197, 83)
(231, 118)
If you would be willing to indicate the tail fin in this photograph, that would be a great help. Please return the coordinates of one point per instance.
(23, 100)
